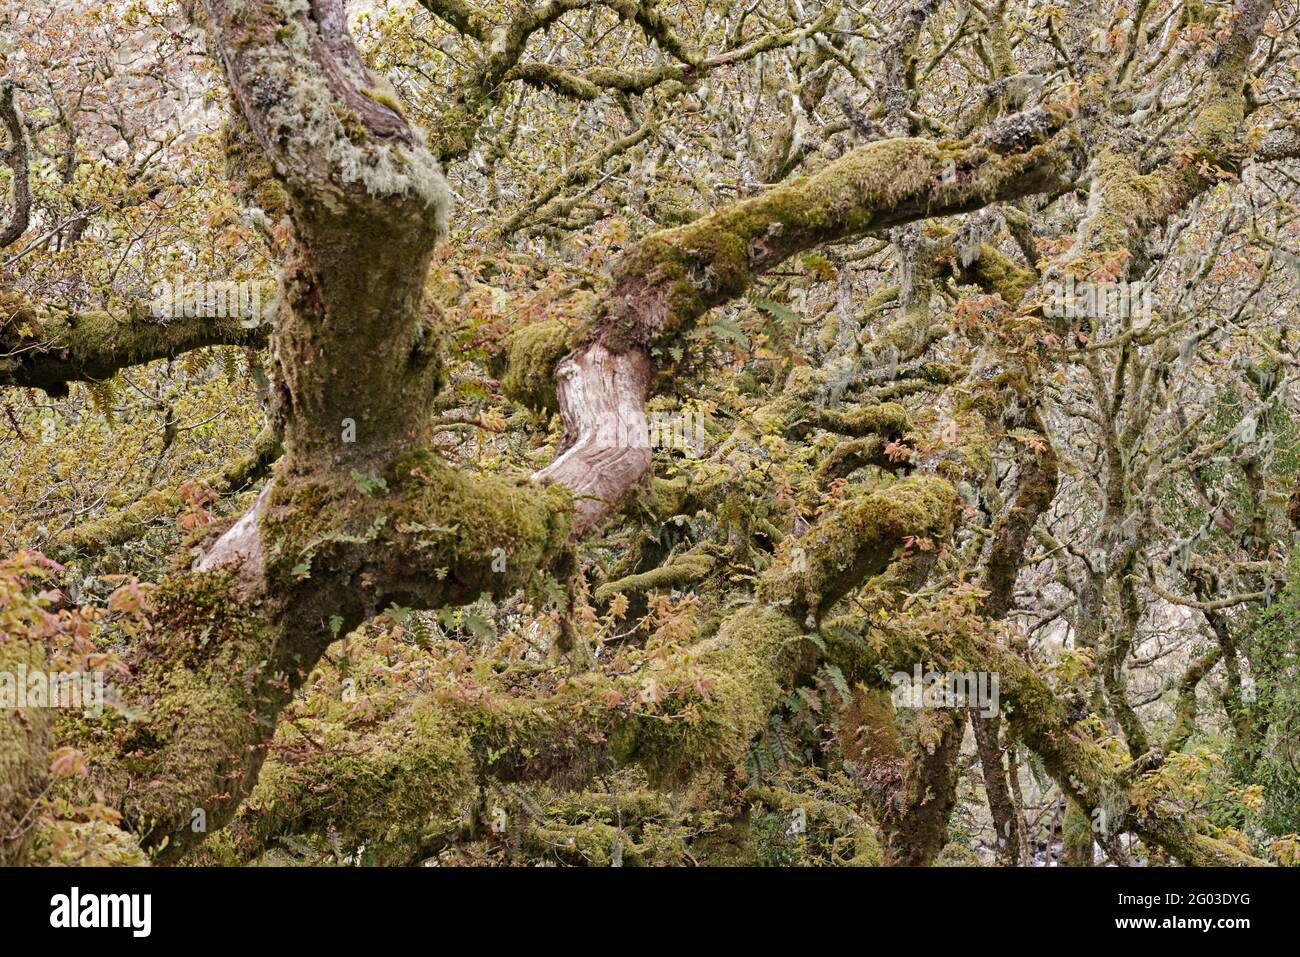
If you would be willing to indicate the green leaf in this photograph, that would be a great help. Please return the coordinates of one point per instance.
(836, 678)
(777, 310)
(728, 330)
(369, 485)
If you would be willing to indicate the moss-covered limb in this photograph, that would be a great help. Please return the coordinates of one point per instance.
(857, 540)
(1117, 649)
(1020, 226)
(94, 537)
(15, 157)
(633, 827)
(671, 278)
(1126, 205)
(1076, 836)
(758, 654)
(1036, 716)
(738, 676)
(434, 534)
(594, 722)
(887, 420)
(100, 534)
(1193, 847)
(208, 679)
(387, 788)
(904, 339)
(910, 784)
(460, 15)
(212, 677)
(254, 466)
(743, 672)
(682, 570)
(866, 847)
(1007, 836)
(984, 265)
(331, 549)
(415, 530)
(1186, 708)
(999, 274)
(91, 843)
(601, 844)
(530, 356)
(1033, 493)
(47, 348)
(847, 457)
(24, 744)
(804, 405)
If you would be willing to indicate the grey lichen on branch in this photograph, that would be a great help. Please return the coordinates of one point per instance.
(334, 134)
(15, 156)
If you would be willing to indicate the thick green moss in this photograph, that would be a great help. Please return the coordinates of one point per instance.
(531, 354)
(685, 570)
(24, 749)
(209, 699)
(383, 788)
(752, 660)
(857, 540)
(422, 533)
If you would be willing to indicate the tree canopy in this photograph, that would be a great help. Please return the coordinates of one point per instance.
(650, 432)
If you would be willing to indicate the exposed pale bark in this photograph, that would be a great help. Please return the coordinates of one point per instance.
(664, 284)
(606, 437)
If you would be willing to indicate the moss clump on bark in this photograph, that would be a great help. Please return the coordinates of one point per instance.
(385, 789)
(422, 530)
(206, 679)
(685, 570)
(751, 662)
(857, 540)
(530, 356)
